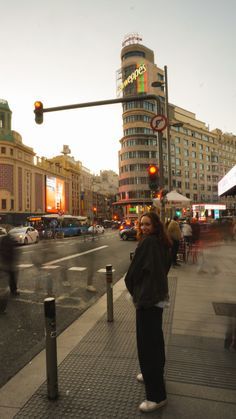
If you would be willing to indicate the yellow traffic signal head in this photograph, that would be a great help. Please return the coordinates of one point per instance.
(38, 110)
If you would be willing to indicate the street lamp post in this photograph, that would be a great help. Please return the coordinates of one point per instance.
(159, 84)
(176, 124)
(168, 131)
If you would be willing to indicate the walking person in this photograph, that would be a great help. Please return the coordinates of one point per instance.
(187, 232)
(175, 235)
(146, 280)
(8, 257)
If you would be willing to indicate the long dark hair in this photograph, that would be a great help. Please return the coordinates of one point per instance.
(159, 229)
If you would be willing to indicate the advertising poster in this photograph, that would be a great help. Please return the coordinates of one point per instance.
(55, 194)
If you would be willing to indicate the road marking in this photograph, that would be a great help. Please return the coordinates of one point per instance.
(103, 270)
(50, 267)
(26, 265)
(77, 268)
(76, 255)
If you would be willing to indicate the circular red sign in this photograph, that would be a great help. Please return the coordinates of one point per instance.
(158, 122)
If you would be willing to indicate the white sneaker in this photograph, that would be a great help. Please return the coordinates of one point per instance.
(148, 406)
(140, 378)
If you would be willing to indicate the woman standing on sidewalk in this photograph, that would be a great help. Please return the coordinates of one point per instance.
(146, 280)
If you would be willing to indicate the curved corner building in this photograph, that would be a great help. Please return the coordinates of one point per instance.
(139, 146)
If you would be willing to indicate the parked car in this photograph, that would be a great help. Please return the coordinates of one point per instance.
(128, 233)
(96, 229)
(24, 235)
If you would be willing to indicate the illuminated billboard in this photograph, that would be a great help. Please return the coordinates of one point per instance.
(55, 194)
(139, 76)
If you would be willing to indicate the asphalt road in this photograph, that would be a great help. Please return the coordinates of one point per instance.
(64, 269)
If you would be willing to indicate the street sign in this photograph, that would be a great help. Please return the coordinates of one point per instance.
(158, 122)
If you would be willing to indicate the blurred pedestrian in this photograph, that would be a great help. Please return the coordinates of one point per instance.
(146, 280)
(175, 235)
(187, 232)
(195, 230)
(8, 258)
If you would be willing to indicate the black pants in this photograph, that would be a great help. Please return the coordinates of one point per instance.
(174, 251)
(151, 351)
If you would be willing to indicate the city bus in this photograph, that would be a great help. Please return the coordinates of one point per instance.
(50, 225)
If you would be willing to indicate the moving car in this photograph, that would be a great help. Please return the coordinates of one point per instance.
(96, 229)
(128, 233)
(24, 235)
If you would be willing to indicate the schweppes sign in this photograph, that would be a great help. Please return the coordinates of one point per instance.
(132, 77)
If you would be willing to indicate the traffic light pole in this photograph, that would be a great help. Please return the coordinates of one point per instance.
(102, 102)
(39, 116)
(160, 162)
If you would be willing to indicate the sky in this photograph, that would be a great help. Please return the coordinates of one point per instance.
(68, 51)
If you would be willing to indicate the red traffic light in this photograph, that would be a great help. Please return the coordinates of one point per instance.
(153, 177)
(38, 105)
(152, 169)
(38, 110)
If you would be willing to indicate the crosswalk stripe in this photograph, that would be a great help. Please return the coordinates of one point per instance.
(73, 268)
(26, 265)
(77, 255)
(103, 270)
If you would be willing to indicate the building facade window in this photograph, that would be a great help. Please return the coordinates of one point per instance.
(139, 104)
(135, 118)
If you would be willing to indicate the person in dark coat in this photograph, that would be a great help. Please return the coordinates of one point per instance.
(8, 259)
(146, 280)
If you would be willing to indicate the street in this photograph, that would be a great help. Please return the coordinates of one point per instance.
(64, 269)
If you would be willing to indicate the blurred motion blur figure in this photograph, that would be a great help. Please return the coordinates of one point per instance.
(187, 231)
(230, 336)
(175, 235)
(8, 258)
(195, 230)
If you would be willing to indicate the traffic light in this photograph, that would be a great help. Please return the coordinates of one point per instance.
(153, 177)
(178, 212)
(38, 110)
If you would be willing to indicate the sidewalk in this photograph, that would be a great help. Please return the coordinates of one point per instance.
(98, 360)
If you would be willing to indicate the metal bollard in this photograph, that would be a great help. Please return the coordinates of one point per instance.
(51, 347)
(131, 255)
(109, 293)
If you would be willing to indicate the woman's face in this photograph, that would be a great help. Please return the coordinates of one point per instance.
(146, 225)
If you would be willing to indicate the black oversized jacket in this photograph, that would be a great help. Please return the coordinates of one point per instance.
(146, 279)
